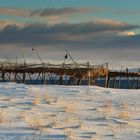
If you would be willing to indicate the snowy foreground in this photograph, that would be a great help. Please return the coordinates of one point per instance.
(68, 112)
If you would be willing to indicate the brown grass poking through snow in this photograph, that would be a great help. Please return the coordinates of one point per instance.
(1, 117)
(36, 123)
(36, 101)
(46, 97)
(52, 121)
(106, 109)
(123, 104)
(6, 119)
(67, 106)
(69, 133)
(124, 115)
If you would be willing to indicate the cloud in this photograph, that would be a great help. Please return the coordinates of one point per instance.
(4, 23)
(97, 38)
(14, 12)
(100, 38)
(63, 11)
(47, 12)
(129, 33)
(48, 15)
(63, 32)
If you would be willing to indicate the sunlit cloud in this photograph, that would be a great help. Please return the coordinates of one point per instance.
(89, 32)
(129, 33)
(48, 15)
(14, 12)
(109, 22)
(5, 23)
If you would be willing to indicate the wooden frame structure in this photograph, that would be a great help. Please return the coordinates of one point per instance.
(69, 74)
(24, 72)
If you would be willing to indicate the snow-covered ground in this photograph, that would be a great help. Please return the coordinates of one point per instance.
(29, 112)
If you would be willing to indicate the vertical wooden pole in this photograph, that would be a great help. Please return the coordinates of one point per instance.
(89, 73)
(79, 82)
(120, 82)
(114, 82)
(128, 78)
(61, 79)
(137, 83)
(120, 77)
(24, 77)
(15, 77)
(89, 78)
(3, 73)
(10, 76)
(43, 74)
(106, 78)
(31, 82)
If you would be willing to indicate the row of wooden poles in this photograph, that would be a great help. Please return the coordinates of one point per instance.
(75, 74)
(90, 74)
(117, 79)
(75, 71)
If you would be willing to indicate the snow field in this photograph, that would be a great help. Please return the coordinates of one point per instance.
(30, 112)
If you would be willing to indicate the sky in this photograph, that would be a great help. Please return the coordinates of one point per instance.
(95, 30)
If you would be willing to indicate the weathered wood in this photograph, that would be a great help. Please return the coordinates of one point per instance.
(137, 83)
(3, 75)
(106, 76)
(114, 82)
(76, 72)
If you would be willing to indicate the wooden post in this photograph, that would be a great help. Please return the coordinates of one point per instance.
(15, 77)
(61, 80)
(89, 73)
(114, 82)
(128, 78)
(3, 74)
(24, 77)
(120, 78)
(31, 82)
(106, 78)
(79, 82)
(37, 78)
(43, 74)
(9, 76)
(70, 80)
(137, 83)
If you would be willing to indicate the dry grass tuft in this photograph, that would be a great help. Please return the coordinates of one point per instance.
(46, 98)
(124, 115)
(1, 117)
(52, 122)
(68, 107)
(123, 104)
(69, 133)
(6, 119)
(36, 101)
(107, 109)
(36, 123)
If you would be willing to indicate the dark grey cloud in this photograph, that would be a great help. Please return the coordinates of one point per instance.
(86, 40)
(63, 11)
(46, 11)
(61, 33)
